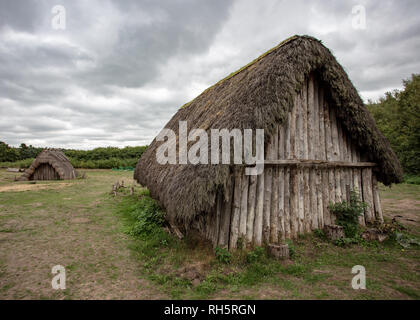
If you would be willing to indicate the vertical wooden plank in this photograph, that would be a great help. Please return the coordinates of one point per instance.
(281, 183)
(322, 148)
(281, 228)
(357, 177)
(244, 207)
(358, 189)
(224, 232)
(236, 210)
(268, 182)
(367, 193)
(312, 105)
(287, 230)
(341, 142)
(305, 120)
(259, 208)
(219, 201)
(336, 155)
(323, 155)
(292, 130)
(293, 209)
(318, 154)
(274, 208)
(294, 202)
(329, 196)
(300, 155)
(377, 200)
(252, 195)
(306, 199)
(274, 214)
(310, 129)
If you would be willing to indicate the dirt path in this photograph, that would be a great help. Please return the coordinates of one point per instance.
(72, 225)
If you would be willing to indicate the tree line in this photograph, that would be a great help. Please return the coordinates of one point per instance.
(397, 115)
(102, 158)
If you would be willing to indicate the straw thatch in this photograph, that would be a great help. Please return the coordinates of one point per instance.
(56, 159)
(259, 96)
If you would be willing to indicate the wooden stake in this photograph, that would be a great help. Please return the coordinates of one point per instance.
(252, 193)
(258, 223)
(236, 211)
(377, 200)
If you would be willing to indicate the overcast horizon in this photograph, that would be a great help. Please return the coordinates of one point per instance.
(118, 71)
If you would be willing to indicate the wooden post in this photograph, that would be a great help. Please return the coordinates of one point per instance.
(244, 207)
(281, 183)
(252, 193)
(293, 173)
(219, 201)
(279, 251)
(236, 211)
(336, 155)
(367, 193)
(304, 155)
(287, 230)
(268, 174)
(377, 200)
(300, 155)
(226, 215)
(312, 105)
(294, 202)
(274, 209)
(258, 223)
(334, 232)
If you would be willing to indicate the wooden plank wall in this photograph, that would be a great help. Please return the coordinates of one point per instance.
(45, 172)
(286, 201)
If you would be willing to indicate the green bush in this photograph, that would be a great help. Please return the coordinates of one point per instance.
(223, 255)
(17, 164)
(148, 217)
(255, 255)
(412, 179)
(348, 214)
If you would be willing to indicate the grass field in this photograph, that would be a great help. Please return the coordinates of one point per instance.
(80, 225)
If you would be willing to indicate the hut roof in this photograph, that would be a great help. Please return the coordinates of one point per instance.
(57, 159)
(257, 96)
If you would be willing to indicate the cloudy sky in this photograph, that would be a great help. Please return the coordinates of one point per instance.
(120, 69)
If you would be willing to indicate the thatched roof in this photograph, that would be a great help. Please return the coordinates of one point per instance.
(57, 159)
(257, 96)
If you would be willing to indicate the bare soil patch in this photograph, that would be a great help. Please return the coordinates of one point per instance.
(30, 187)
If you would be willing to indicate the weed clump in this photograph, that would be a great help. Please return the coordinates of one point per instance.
(348, 214)
(223, 255)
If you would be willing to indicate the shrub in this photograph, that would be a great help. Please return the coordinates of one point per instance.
(348, 213)
(223, 255)
(412, 179)
(148, 217)
(255, 255)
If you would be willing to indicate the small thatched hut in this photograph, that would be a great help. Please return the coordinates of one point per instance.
(320, 142)
(50, 164)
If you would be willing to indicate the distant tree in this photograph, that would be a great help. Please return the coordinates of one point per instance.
(8, 153)
(398, 117)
